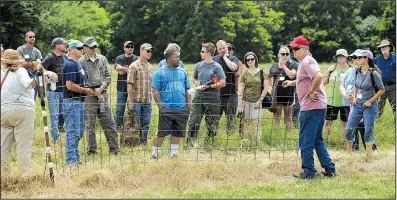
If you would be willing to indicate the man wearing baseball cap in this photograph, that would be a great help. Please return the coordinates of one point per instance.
(387, 64)
(73, 103)
(121, 66)
(313, 103)
(54, 62)
(98, 74)
(139, 88)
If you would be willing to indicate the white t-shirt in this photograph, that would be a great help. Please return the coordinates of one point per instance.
(15, 90)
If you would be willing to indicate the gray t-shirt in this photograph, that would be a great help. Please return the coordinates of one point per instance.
(30, 54)
(203, 72)
(364, 86)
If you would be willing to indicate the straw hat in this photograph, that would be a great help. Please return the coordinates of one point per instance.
(11, 57)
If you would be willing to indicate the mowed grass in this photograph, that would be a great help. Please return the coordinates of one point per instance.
(233, 169)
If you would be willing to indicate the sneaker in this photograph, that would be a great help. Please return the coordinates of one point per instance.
(300, 176)
(374, 147)
(153, 157)
(328, 174)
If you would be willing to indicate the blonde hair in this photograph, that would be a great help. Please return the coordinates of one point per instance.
(172, 46)
(209, 47)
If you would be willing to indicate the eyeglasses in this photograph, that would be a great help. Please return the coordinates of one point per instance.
(230, 49)
(250, 59)
(203, 52)
(354, 57)
(359, 57)
(296, 49)
(284, 54)
(149, 51)
(79, 48)
(129, 47)
(31, 36)
(94, 47)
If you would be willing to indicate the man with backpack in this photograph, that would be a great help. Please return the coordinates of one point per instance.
(54, 62)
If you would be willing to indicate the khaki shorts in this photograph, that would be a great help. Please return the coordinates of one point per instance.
(250, 112)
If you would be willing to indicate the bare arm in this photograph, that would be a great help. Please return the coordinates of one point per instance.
(188, 99)
(76, 88)
(131, 96)
(232, 66)
(218, 85)
(241, 87)
(290, 73)
(317, 79)
(121, 70)
(377, 95)
(157, 99)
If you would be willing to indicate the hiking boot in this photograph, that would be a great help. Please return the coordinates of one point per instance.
(328, 174)
(374, 147)
(91, 152)
(300, 176)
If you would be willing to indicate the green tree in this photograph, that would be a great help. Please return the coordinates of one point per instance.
(17, 18)
(74, 20)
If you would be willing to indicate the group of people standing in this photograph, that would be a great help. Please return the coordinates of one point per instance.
(78, 79)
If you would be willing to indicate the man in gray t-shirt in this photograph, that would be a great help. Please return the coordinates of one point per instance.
(31, 54)
(209, 78)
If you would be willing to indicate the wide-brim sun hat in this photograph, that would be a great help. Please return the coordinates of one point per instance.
(11, 57)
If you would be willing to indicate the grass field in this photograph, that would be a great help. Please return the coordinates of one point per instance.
(227, 171)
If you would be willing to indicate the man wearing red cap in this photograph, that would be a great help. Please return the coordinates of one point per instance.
(313, 103)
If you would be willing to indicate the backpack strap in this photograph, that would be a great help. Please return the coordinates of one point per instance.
(373, 80)
(262, 79)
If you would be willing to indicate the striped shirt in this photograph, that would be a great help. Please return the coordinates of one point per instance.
(140, 76)
(97, 71)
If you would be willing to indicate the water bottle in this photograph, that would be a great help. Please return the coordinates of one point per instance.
(53, 85)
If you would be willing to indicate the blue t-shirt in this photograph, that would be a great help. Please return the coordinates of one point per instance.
(72, 71)
(388, 68)
(348, 83)
(203, 72)
(163, 63)
(172, 84)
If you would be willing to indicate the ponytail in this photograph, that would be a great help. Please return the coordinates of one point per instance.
(373, 66)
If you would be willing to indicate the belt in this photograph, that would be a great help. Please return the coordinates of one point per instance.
(390, 83)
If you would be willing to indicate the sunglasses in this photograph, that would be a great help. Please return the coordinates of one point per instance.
(353, 57)
(79, 48)
(359, 57)
(203, 52)
(129, 47)
(94, 47)
(284, 54)
(31, 36)
(231, 49)
(250, 59)
(149, 51)
(296, 49)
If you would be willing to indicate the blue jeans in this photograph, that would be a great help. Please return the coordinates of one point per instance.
(311, 137)
(74, 115)
(144, 111)
(55, 106)
(120, 108)
(369, 114)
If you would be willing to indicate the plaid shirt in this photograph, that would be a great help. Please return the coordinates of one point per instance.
(97, 71)
(140, 76)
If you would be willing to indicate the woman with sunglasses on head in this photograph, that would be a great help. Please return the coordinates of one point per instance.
(346, 88)
(283, 98)
(365, 99)
(251, 93)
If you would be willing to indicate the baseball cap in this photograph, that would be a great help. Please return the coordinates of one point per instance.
(341, 52)
(298, 41)
(57, 41)
(384, 43)
(128, 42)
(146, 46)
(366, 53)
(75, 44)
(355, 53)
(90, 42)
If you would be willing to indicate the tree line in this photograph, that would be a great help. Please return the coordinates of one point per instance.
(258, 26)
